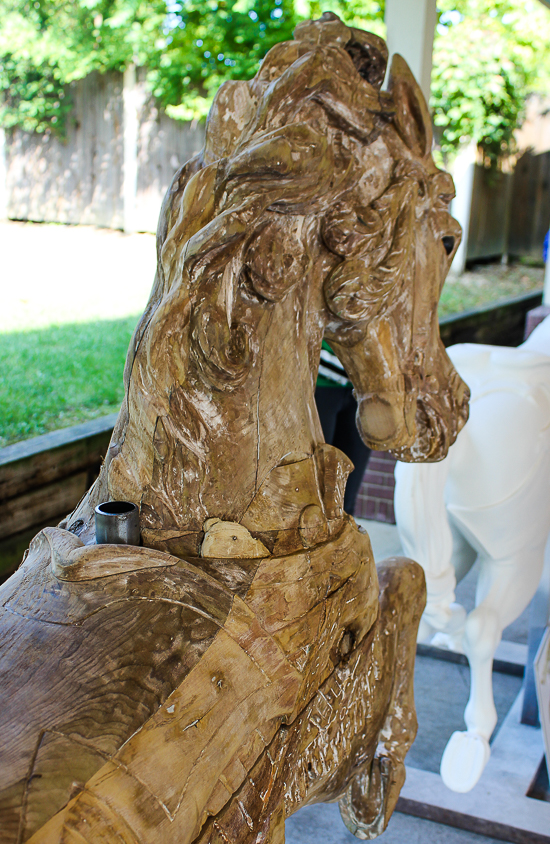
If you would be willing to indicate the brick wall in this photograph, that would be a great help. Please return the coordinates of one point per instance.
(375, 498)
(534, 318)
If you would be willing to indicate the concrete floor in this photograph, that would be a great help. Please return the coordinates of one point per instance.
(322, 824)
(441, 693)
(114, 274)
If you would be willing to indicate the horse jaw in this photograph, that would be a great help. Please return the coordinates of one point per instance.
(441, 413)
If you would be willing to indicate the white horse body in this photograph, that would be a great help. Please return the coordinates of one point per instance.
(488, 500)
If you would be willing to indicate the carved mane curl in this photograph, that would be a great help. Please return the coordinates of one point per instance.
(261, 158)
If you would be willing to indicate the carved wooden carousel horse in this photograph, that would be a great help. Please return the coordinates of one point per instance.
(240, 662)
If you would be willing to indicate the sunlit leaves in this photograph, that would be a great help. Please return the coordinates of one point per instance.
(189, 47)
(488, 56)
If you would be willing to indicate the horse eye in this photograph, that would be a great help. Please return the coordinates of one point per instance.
(448, 243)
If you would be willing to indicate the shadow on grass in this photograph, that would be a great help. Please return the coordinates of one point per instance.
(61, 375)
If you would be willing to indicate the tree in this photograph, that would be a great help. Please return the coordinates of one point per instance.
(488, 56)
(47, 44)
(189, 48)
(209, 41)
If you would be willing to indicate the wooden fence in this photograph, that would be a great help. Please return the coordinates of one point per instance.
(489, 215)
(510, 212)
(81, 180)
(86, 178)
(530, 205)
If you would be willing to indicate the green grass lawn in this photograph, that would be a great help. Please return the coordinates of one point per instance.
(484, 284)
(57, 376)
(60, 375)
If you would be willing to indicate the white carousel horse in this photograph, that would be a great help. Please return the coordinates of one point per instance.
(488, 500)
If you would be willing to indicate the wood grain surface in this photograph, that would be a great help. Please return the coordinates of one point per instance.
(247, 658)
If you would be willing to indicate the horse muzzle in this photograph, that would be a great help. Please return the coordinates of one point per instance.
(441, 412)
(419, 418)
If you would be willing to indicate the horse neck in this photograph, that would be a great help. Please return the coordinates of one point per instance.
(207, 449)
(268, 421)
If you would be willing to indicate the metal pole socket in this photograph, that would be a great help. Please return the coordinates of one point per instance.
(117, 523)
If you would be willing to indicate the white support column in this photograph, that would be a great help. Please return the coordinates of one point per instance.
(463, 171)
(3, 177)
(546, 294)
(131, 132)
(410, 32)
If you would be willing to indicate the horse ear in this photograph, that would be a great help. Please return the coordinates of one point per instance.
(412, 117)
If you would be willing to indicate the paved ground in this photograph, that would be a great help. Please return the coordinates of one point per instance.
(322, 825)
(441, 693)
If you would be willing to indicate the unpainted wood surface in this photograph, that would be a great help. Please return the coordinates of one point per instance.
(79, 180)
(164, 145)
(493, 216)
(50, 457)
(247, 659)
(530, 203)
(40, 504)
(44, 477)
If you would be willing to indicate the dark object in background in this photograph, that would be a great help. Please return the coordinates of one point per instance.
(337, 408)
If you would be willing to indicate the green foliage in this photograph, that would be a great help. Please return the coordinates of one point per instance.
(488, 56)
(365, 14)
(188, 46)
(47, 44)
(209, 42)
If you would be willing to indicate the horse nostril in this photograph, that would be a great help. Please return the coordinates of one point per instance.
(448, 243)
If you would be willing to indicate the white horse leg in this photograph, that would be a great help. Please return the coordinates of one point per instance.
(463, 558)
(426, 537)
(482, 634)
(505, 588)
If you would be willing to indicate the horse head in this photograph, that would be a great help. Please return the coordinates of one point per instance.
(383, 296)
(315, 207)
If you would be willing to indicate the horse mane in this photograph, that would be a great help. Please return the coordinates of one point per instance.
(284, 144)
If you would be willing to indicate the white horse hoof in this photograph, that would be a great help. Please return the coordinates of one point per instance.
(463, 761)
(448, 642)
